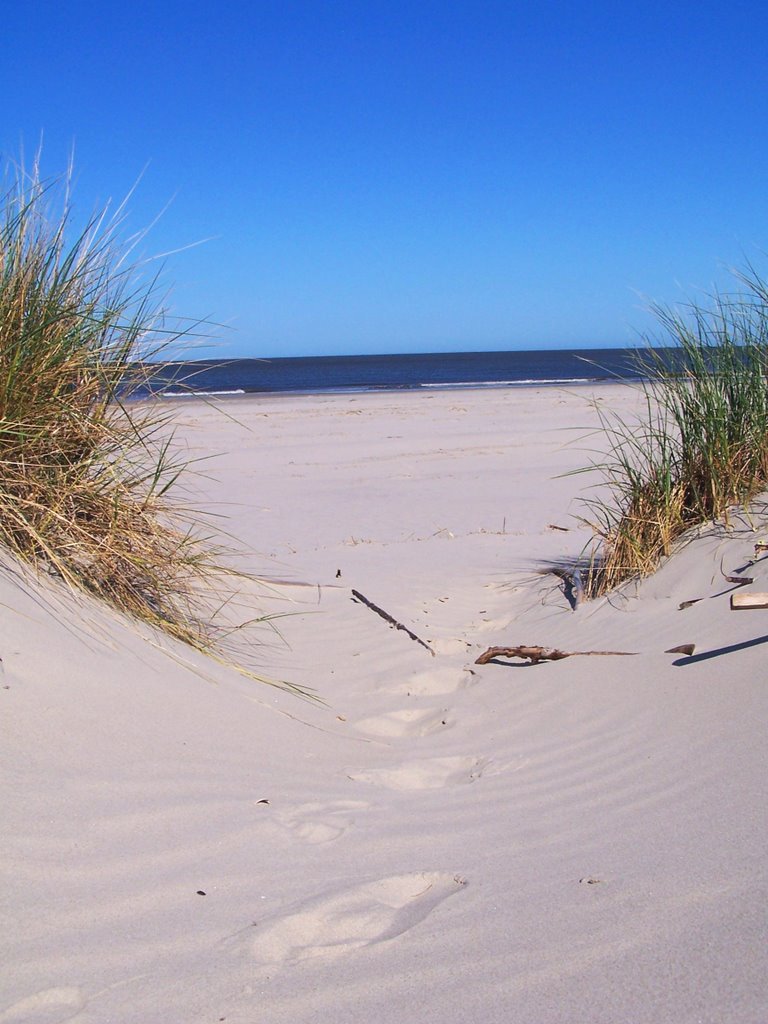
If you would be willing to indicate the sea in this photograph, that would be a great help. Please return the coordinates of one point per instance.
(407, 372)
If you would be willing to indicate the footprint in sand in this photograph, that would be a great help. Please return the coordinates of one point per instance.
(321, 822)
(433, 683)
(430, 773)
(51, 1006)
(406, 722)
(335, 923)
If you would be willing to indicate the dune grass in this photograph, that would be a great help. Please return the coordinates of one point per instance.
(700, 446)
(86, 474)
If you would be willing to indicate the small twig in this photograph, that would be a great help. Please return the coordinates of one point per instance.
(392, 621)
(737, 581)
(740, 581)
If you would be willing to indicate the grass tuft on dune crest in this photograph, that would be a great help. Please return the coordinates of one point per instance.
(700, 446)
(85, 474)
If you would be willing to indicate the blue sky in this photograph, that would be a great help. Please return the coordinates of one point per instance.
(421, 176)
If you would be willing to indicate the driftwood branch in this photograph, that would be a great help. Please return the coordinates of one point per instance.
(537, 654)
(392, 621)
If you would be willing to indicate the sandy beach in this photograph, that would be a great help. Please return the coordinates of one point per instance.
(438, 841)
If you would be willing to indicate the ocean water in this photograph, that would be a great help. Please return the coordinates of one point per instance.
(318, 374)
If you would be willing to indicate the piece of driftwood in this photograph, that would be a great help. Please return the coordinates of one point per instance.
(682, 649)
(392, 621)
(537, 654)
(753, 600)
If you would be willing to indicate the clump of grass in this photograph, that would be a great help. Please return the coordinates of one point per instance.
(700, 446)
(85, 474)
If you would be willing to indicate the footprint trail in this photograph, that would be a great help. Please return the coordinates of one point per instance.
(333, 924)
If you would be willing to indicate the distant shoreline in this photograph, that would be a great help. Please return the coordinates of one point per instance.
(389, 373)
(183, 397)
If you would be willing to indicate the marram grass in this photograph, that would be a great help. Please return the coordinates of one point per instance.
(700, 446)
(85, 474)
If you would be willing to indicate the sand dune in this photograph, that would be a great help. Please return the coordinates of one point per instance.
(574, 841)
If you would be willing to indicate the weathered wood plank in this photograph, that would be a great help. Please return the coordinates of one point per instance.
(753, 600)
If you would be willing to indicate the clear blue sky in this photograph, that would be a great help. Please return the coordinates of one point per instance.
(409, 176)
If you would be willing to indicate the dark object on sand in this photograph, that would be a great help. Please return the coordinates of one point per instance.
(682, 649)
(537, 654)
(392, 622)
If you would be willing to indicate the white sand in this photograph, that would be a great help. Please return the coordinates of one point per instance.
(580, 841)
